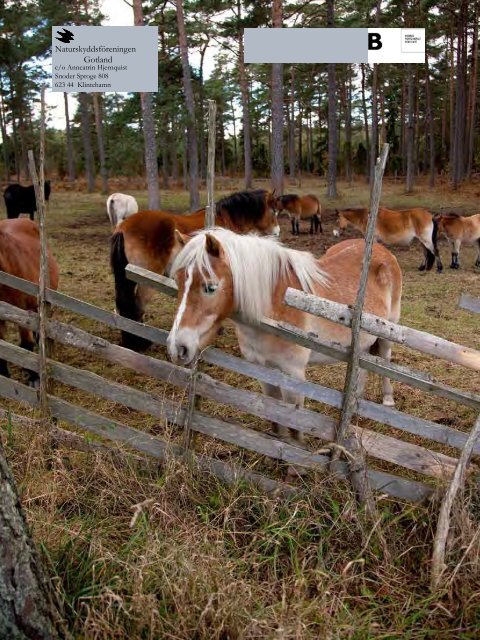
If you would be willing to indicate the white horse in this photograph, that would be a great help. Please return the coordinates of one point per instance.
(119, 207)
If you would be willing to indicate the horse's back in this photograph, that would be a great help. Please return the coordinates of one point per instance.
(310, 205)
(343, 263)
(20, 256)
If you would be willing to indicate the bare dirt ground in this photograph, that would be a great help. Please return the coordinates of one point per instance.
(204, 561)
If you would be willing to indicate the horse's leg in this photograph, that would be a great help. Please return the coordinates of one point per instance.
(477, 261)
(456, 254)
(293, 224)
(275, 392)
(423, 264)
(27, 342)
(311, 224)
(3, 363)
(384, 350)
(297, 224)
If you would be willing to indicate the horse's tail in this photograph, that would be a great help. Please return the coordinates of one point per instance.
(111, 211)
(126, 300)
(432, 254)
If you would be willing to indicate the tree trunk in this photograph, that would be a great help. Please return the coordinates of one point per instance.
(87, 143)
(458, 154)
(190, 104)
(431, 130)
(348, 126)
(201, 129)
(374, 138)
(97, 107)
(148, 122)
(291, 125)
(68, 131)
(277, 110)
(247, 131)
(26, 605)
(235, 141)
(365, 122)
(410, 131)
(332, 115)
(473, 97)
(5, 140)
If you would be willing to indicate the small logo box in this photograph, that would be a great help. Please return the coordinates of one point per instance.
(413, 40)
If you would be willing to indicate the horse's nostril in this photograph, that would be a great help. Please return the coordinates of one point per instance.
(182, 352)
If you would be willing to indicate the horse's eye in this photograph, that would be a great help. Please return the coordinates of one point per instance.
(210, 288)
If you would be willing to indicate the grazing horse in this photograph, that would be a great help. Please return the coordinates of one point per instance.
(220, 273)
(460, 230)
(301, 208)
(398, 227)
(119, 207)
(147, 239)
(20, 256)
(19, 199)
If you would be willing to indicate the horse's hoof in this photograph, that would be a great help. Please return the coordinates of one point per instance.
(452, 266)
(421, 267)
(388, 401)
(440, 269)
(34, 384)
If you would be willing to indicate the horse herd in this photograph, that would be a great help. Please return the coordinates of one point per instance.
(237, 267)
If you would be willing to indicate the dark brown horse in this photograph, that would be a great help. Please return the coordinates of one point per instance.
(20, 256)
(301, 208)
(147, 239)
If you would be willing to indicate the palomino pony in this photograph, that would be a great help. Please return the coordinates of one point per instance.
(398, 227)
(147, 239)
(460, 230)
(219, 273)
(119, 207)
(301, 208)
(20, 256)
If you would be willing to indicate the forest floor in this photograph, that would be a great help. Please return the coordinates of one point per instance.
(200, 560)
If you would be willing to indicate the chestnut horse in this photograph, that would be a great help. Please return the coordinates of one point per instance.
(301, 208)
(219, 273)
(398, 227)
(20, 256)
(460, 230)
(147, 239)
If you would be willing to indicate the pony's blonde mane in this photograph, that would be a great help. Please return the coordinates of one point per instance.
(256, 263)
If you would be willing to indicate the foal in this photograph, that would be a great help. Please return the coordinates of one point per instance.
(458, 230)
(398, 227)
(219, 273)
(301, 208)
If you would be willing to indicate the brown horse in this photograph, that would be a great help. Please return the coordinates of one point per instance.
(301, 208)
(20, 256)
(147, 239)
(398, 227)
(219, 273)
(460, 230)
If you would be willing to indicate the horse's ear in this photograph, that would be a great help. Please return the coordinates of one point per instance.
(337, 212)
(181, 238)
(212, 246)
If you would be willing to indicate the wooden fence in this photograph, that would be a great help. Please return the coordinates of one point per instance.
(405, 455)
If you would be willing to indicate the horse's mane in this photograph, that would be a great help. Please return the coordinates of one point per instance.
(243, 206)
(451, 215)
(288, 198)
(256, 264)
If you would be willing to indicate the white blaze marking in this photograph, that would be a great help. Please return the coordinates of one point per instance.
(276, 230)
(182, 306)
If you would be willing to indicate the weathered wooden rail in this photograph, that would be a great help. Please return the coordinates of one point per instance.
(406, 455)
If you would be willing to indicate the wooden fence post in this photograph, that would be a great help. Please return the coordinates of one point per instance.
(210, 209)
(44, 344)
(345, 438)
(443, 526)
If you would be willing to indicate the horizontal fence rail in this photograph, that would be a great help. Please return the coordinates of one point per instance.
(469, 303)
(407, 455)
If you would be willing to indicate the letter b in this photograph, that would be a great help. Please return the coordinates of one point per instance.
(374, 41)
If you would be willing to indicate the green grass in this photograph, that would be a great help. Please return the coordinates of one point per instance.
(204, 561)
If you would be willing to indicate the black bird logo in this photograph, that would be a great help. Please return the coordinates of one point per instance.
(66, 36)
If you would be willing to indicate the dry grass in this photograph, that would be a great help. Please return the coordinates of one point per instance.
(203, 561)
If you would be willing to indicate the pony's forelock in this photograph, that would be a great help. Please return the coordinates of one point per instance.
(256, 264)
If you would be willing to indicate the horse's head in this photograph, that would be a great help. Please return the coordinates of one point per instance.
(342, 223)
(205, 296)
(271, 213)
